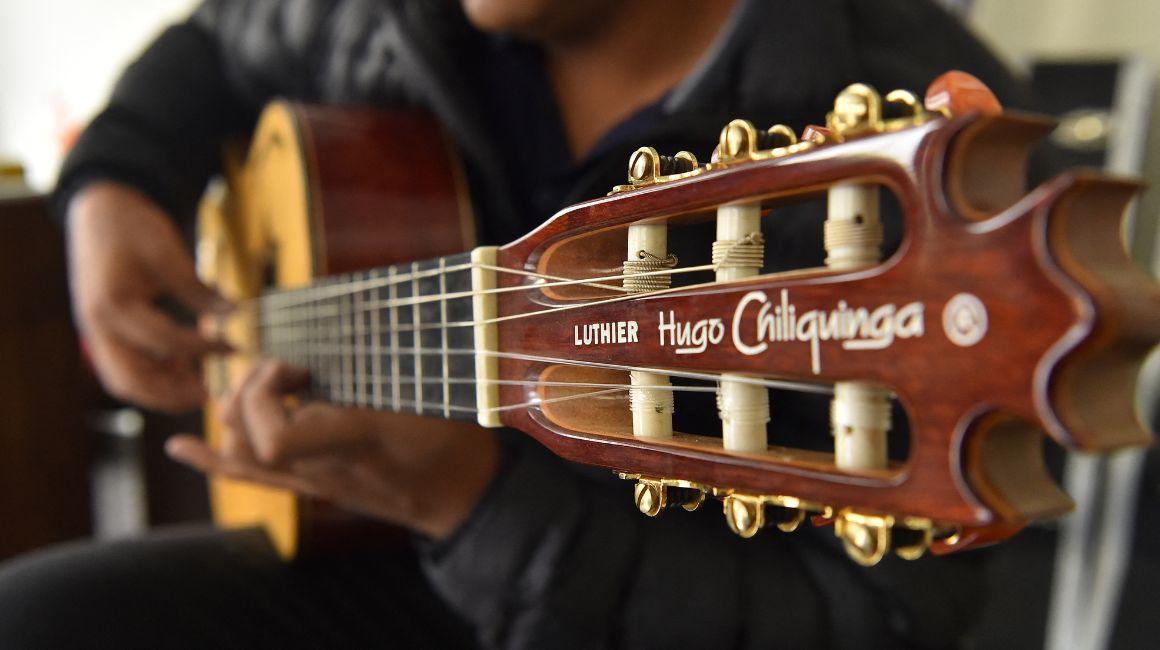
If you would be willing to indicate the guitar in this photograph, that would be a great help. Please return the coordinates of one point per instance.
(1004, 314)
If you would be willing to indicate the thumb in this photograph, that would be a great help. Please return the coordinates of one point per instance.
(177, 277)
(165, 256)
(190, 291)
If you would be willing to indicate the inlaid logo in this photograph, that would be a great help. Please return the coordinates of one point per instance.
(965, 320)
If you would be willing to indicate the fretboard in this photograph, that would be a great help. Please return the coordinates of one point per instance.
(398, 338)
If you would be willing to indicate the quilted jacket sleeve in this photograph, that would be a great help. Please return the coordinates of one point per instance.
(557, 557)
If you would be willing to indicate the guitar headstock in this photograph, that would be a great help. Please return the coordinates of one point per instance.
(1002, 315)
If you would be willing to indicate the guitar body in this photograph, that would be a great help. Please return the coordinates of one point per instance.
(322, 191)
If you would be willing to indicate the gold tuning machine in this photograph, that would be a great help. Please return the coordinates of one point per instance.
(746, 514)
(866, 537)
(860, 110)
(741, 141)
(653, 495)
(648, 167)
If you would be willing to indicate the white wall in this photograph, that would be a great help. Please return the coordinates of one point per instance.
(1070, 27)
(58, 59)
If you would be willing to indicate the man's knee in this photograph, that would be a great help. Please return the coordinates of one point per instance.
(77, 595)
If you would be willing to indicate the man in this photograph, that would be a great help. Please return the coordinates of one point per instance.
(545, 99)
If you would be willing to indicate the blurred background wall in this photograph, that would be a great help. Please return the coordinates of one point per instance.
(1025, 30)
(58, 59)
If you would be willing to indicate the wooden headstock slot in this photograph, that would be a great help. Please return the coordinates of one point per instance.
(1003, 314)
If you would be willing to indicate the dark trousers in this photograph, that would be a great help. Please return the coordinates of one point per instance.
(204, 588)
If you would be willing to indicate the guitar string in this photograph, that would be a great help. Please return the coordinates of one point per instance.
(344, 286)
(311, 298)
(686, 374)
(535, 382)
(424, 406)
(608, 389)
(438, 297)
(335, 286)
(334, 311)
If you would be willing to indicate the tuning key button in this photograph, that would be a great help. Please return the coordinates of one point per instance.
(902, 105)
(778, 136)
(910, 543)
(649, 497)
(786, 519)
(647, 167)
(737, 140)
(956, 92)
(745, 514)
(653, 495)
(857, 109)
(866, 538)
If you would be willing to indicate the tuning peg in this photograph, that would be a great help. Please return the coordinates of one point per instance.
(647, 165)
(957, 92)
(815, 134)
(777, 136)
(911, 541)
(652, 496)
(857, 109)
(745, 514)
(738, 141)
(649, 497)
(902, 105)
(785, 518)
(866, 538)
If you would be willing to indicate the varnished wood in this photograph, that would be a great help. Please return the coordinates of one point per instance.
(322, 191)
(1042, 276)
(957, 93)
(1069, 317)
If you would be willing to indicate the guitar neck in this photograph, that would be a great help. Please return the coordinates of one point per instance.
(399, 338)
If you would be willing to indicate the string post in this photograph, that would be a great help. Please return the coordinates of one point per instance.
(738, 253)
(859, 411)
(651, 397)
(745, 253)
(853, 229)
(860, 418)
(642, 275)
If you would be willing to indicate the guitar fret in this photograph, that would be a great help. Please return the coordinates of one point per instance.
(416, 320)
(396, 393)
(345, 356)
(362, 346)
(334, 363)
(376, 349)
(360, 360)
(443, 333)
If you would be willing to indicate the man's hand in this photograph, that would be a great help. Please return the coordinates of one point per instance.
(421, 473)
(124, 254)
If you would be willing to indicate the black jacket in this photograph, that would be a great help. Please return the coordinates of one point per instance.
(555, 556)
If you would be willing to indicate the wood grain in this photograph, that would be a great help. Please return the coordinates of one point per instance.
(1066, 317)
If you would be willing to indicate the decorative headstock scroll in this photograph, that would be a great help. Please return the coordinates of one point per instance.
(1004, 314)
